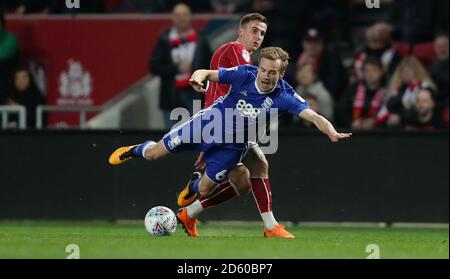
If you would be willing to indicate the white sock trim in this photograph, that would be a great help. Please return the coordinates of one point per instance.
(194, 209)
(147, 146)
(268, 220)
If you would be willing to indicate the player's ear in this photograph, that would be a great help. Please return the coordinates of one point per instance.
(240, 31)
(282, 74)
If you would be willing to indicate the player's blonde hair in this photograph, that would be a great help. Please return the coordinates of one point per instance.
(274, 53)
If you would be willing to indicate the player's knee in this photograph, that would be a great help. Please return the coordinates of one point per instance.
(204, 191)
(264, 165)
(205, 187)
(240, 178)
(259, 168)
(243, 186)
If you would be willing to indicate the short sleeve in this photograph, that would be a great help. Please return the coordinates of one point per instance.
(293, 103)
(235, 75)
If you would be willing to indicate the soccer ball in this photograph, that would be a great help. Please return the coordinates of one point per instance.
(160, 221)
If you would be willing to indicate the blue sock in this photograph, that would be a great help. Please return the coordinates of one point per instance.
(194, 185)
(137, 151)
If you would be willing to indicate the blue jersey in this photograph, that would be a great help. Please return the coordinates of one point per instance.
(247, 106)
(249, 102)
(243, 87)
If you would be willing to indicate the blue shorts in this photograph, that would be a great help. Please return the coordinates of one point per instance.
(220, 158)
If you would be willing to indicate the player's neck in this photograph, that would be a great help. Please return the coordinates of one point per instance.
(239, 42)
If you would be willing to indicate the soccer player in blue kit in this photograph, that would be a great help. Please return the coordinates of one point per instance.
(254, 91)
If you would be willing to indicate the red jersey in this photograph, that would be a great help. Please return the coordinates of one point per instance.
(228, 55)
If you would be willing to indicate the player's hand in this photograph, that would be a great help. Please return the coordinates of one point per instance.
(200, 163)
(196, 80)
(198, 86)
(335, 137)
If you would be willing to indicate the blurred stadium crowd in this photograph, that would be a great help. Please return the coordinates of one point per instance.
(361, 68)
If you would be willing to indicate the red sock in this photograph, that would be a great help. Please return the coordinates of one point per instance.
(223, 192)
(262, 194)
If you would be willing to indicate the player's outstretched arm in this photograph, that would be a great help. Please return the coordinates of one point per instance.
(199, 76)
(323, 125)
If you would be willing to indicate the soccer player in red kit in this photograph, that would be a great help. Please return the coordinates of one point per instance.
(252, 29)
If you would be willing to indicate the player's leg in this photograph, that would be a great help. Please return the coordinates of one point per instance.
(239, 178)
(187, 216)
(223, 192)
(126, 153)
(218, 164)
(177, 140)
(153, 152)
(238, 184)
(258, 166)
(204, 186)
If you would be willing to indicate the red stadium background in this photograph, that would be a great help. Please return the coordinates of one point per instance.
(88, 61)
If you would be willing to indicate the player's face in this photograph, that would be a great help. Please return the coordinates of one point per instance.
(268, 74)
(251, 35)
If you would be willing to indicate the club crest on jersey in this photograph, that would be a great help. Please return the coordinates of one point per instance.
(267, 104)
(246, 55)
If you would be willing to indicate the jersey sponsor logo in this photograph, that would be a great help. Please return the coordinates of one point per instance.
(246, 55)
(243, 92)
(247, 110)
(174, 143)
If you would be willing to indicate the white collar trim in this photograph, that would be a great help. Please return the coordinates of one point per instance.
(261, 92)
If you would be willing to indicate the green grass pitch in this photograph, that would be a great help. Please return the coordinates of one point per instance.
(48, 240)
